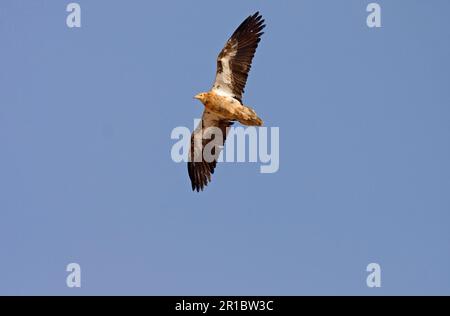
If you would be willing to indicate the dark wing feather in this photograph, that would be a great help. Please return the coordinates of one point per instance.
(235, 59)
(202, 161)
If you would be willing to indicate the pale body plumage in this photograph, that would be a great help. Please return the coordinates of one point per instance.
(226, 107)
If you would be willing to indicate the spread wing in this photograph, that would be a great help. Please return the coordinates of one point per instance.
(206, 143)
(235, 59)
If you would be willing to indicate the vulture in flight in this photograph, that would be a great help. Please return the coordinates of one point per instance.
(223, 103)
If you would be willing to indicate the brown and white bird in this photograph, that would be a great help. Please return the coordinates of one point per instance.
(223, 103)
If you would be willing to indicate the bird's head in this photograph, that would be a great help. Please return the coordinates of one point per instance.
(201, 96)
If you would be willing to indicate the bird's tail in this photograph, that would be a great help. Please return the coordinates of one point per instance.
(247, 116)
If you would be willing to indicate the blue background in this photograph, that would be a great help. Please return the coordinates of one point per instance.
(86, 174)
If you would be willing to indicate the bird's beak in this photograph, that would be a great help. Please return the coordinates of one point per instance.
(197, 97)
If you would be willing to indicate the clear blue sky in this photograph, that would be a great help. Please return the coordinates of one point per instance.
(86, 174)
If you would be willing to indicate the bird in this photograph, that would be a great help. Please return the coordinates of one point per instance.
(223, 103)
